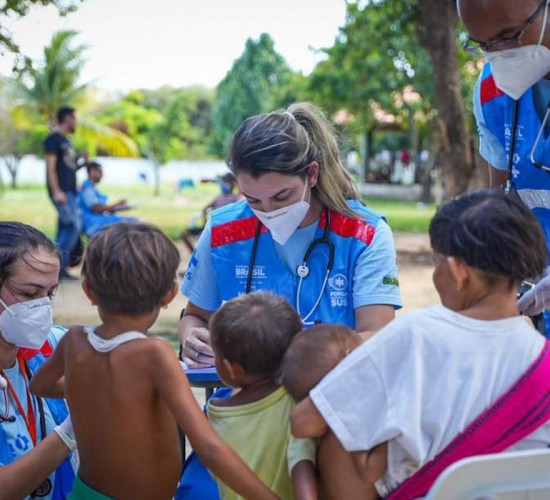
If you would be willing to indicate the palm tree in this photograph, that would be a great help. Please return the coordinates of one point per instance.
(55, 83)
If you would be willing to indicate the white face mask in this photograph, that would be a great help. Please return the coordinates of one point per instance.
(517, 70)
(284, 221)
(26, 324)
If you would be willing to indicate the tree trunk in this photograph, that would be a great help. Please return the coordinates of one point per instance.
(437, 21)
(12, 164)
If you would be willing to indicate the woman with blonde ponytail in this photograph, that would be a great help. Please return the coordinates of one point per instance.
(301, 232)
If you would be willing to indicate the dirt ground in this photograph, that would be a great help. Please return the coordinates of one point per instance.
(415, 276)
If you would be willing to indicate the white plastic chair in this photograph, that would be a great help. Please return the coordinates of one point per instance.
(517, 475)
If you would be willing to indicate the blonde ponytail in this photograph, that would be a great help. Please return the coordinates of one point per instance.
(335, 184)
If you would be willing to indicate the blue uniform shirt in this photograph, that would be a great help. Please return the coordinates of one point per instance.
(374, 274)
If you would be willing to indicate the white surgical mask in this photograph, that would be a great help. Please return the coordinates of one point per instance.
(517, 70)
(284, 221)
(26, 324)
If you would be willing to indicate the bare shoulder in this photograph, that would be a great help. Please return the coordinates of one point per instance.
(159, 349)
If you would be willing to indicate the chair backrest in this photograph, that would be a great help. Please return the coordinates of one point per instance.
(517, 475)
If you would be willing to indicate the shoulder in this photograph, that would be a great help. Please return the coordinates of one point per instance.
(232, 223)
(363, 227)
(52, 141)
(486, 87)
(231, 211)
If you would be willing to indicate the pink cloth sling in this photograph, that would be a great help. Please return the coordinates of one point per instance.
(516, 414)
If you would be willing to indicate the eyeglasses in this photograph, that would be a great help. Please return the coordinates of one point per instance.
(537, 164)
(480, 49)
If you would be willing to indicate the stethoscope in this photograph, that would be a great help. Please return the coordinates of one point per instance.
(303, 270)
(6, 417)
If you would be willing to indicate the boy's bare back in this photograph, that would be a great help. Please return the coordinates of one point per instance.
(127, 437)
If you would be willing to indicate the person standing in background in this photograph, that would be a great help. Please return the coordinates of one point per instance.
(61, 167)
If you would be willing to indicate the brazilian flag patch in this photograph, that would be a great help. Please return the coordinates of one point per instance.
(390, 280)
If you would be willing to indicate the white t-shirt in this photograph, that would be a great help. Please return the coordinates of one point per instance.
(421, 380)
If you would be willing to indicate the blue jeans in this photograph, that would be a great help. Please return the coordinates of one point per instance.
(69, 226)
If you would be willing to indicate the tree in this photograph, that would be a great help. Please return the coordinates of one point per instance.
(390, 48)
(55, 82)
(167, 123)
(52, 83)
(18, 9)
(247, 89)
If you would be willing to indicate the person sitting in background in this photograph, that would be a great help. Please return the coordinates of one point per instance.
(250, 335)
(227, 196)
(96, 213)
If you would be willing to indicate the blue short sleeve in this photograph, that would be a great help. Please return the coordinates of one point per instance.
(490, 147)
(89, 197)
(375, 275)
(199, 284)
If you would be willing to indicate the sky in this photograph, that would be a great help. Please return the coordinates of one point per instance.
(150, 43)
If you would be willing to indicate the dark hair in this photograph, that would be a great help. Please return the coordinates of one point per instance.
(287, 143)
(17, 240)
(492, 232)
(228, 177)
(63, 112)
(130, 267)
(312, 354)
(254, 330)
(93, 165)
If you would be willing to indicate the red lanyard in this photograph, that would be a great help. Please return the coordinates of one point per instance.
(29, 418)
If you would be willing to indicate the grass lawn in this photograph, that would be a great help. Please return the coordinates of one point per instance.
(403, 216)
(172, 211)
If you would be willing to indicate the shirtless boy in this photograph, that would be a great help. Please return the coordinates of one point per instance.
(127, 392)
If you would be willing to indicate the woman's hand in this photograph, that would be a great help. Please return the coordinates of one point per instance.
(197, 352)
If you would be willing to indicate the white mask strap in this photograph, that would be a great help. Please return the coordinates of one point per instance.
(6, 307)
(544, 19)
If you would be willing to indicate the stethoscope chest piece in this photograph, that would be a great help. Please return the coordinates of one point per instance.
(302, 271)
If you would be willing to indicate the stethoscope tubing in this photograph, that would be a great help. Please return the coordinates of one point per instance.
(324, 240)
(7, 418)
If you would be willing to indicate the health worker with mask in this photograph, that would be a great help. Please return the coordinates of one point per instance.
(300, 232)
(512, 108)
(36, 435)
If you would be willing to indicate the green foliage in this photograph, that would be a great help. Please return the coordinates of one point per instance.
(167, 123)
(249, 88)
(375, 57)
(18, 9)
(55, 81)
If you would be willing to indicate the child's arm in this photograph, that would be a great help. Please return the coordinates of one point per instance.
(371, 465)
(306, 421)
(304, 485)
(47, 382)
(214, 453)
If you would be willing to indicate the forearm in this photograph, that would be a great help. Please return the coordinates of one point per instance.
(497, 178)
(53, 181)
(304, 485)
(187, 323)
(23, 476)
